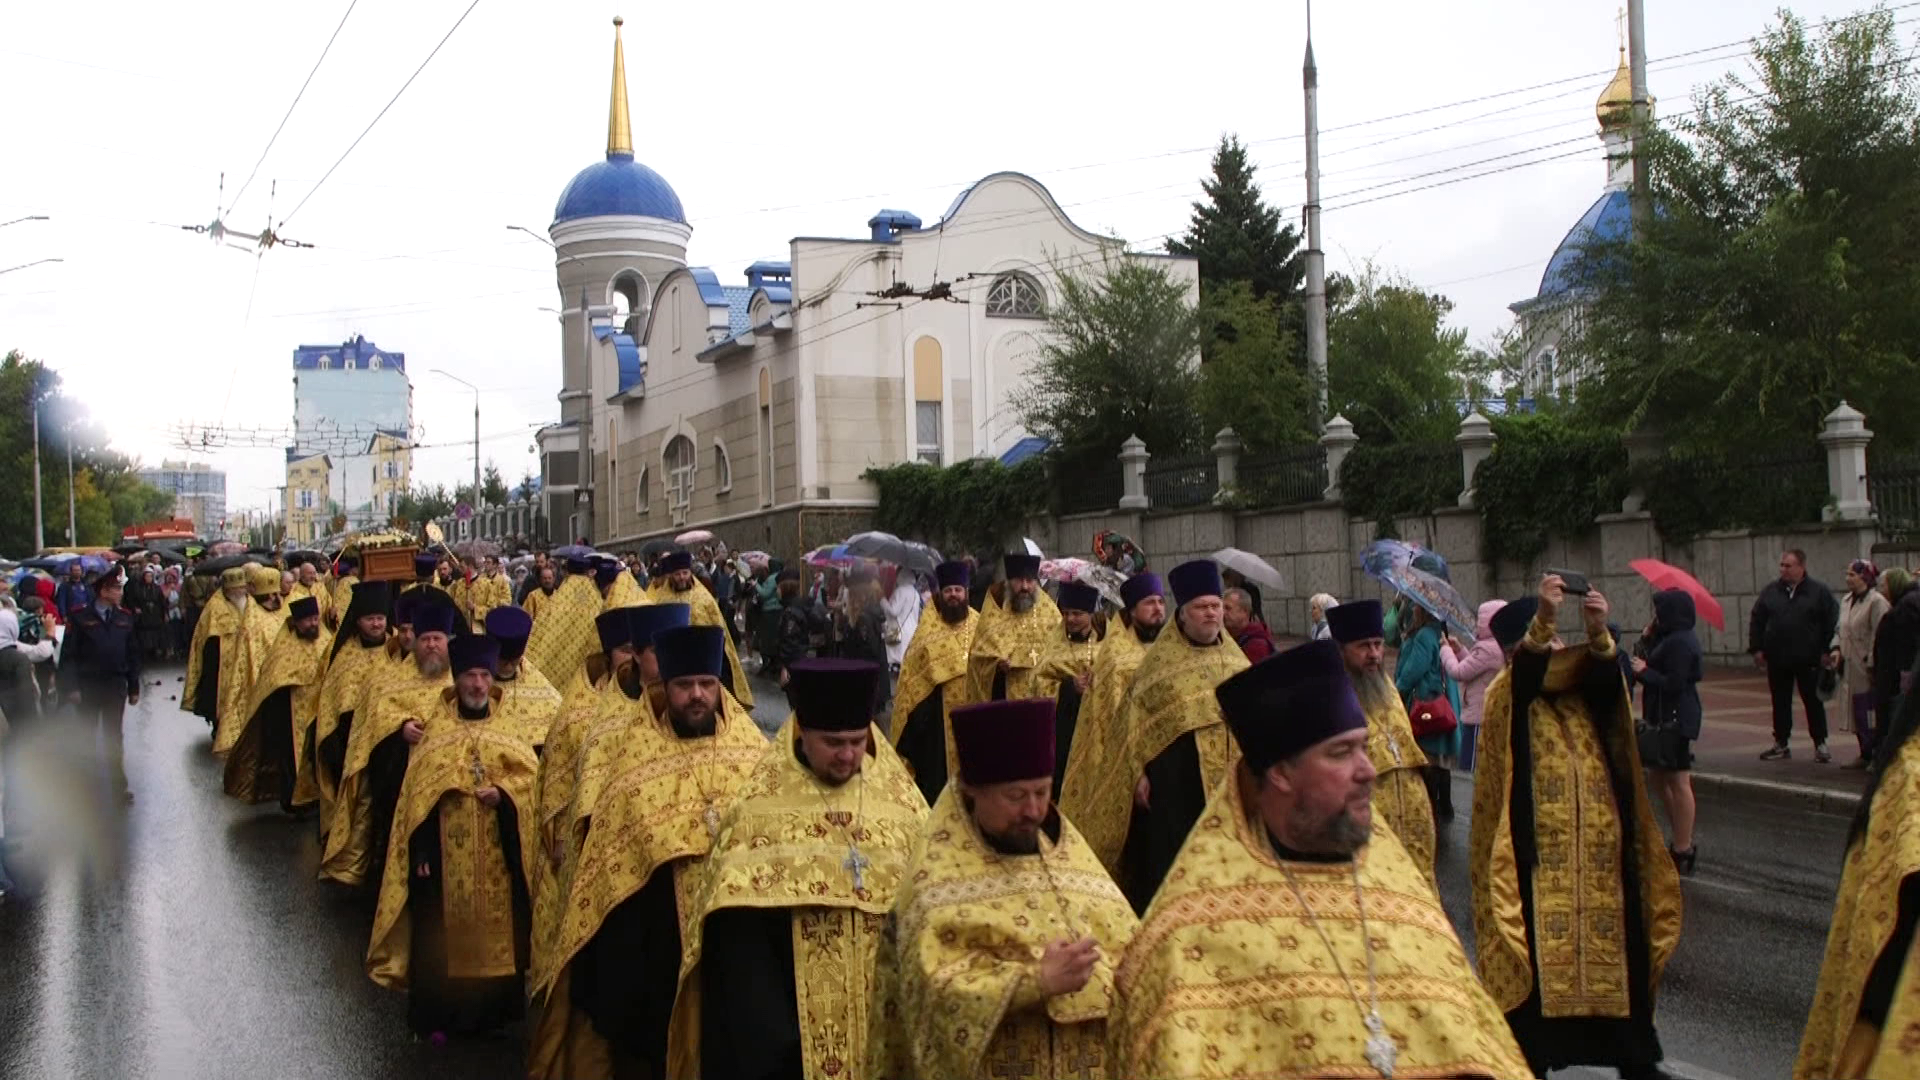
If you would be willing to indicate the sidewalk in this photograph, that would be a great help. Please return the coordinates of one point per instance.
(1739, 725)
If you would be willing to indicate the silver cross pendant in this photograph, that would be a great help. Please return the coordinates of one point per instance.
(1380, 1049)
(856, 864)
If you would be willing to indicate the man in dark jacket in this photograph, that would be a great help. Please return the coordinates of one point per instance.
(100, 669)
(1793, 624)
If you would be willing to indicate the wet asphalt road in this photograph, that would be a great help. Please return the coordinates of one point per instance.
(185, 936)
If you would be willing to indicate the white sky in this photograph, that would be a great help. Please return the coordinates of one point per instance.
(122, 115)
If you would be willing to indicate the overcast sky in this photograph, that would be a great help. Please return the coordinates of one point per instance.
(770, 120)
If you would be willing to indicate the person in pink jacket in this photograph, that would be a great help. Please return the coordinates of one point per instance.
(1473, 667)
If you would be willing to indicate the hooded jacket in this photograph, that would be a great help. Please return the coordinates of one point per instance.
(1674, 666)
(1474, 669)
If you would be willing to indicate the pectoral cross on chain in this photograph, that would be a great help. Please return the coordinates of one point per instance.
(1393, 746)
(857, 864)
(712, 818)
(1380, 1051)
(479, 770)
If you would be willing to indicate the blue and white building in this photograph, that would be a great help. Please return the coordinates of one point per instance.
(345, 396)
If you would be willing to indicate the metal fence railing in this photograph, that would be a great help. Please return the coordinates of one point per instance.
(1893, 486)
(1179, 482)
(1291, 476)
(1089, 490)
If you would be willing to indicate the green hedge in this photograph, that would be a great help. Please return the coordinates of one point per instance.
(1693, 493)
(1546, 478)
(973, 505)
(1385, 481)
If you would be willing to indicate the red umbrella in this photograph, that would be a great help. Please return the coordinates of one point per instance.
(1662, 576)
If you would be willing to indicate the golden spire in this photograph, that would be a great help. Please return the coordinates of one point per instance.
(1615, 107)
(619, 128)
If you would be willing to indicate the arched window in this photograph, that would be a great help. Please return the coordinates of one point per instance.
(722, 469)
(1016, 296)
(627, 292)
(373, 362)
(326, 362)
(681, 463)
(641, 502)
(349, 363)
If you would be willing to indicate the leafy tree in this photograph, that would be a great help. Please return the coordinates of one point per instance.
(423, 504)
(1491, 372)
(527, 482)
(1249, 381)
(1782, 273)
(1117, 360)
(1237, 236)
(1393, 365)
(493, 490)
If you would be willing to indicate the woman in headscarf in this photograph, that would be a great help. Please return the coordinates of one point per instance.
(1670, 674)
(1317, 609)
(1473, 668)
(1860, 614)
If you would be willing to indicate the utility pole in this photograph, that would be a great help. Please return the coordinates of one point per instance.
(1316, 258)
(39, 522)
(476, 429)
(1641, 202)
(73, 535)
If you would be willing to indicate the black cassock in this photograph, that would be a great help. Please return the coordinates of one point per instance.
(750, 1012)
(386, 771)
(1066, 718)
(274, 767)
(436, 1002)
(1628, 1042)
(206, 695)
(924, 745)
(1176, 796)
(626, 977)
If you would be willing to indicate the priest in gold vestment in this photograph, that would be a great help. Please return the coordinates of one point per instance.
(260, 623)
(307, 581)
(677, 585)
(376, 759)
(1399, 790)
(217, 675)
(637, 698)
(340, 587)
(1294, 936)
(782, 937)
(528, 702)
(1143, 611)
(452, 924)
(1069, 664)
(563, 634)
(488, 591)
(359, 650)
(618, 587)
(1866, 1006)
(262, 766)
(1576, 902)
(610, 987)
(1014, 636)
(999, 957)
(932, 682)
(1171, 748)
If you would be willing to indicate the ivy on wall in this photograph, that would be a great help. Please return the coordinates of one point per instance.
(974, 505)
(1546, 477)
(1381, 482)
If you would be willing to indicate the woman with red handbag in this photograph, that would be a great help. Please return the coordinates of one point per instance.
(1433, 704)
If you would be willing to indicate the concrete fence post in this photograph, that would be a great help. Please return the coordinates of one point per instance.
(1845, 435)
(1339, 440)
(1133, 474)
(1226, 457)
(1475, 441)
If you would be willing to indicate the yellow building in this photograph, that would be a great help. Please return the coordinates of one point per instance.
(391, 455)
(307, 512)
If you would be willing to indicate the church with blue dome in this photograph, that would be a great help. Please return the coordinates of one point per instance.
(1551, 315)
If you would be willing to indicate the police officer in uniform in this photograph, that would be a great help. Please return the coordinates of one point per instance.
(100, 669)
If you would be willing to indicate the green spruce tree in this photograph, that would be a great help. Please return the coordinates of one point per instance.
(1237, 236)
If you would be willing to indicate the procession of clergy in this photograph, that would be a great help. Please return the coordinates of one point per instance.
(1079, 846)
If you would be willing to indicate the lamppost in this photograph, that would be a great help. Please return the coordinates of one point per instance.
(476, 429)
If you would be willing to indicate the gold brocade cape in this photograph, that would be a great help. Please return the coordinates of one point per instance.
(1229, 975)
(1578, 909)
(653, 812)
(341, 686)
(1023, 641)
(218, 619)
(786, 843)
(1097, 736)
(563, 636)
(255, 640)
(1865, 913)
(395, 693)
(1171, 694)
(290, 663)
(959, 994)
(456, 758)
(625, 592)
(529, 703)
(340, 595)
(322, 596)
(1399, 792)
(936, 657)
(705, 612)
(487, 592)
(549, 875)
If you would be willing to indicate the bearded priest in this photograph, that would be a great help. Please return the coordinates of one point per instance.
(617, 954)
(933, 680)
(1576, 902)
(1070, 665)
(359, 649)
(1176, 749)
(677, 585)
(452, 925)
(783, 934)
(1399, 791)
(999, 959)
(1143, 612)
(285, 693)
(1014, 636)
(562, 636)
(1294, 936)
(217, 674)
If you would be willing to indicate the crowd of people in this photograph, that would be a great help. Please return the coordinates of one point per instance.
(1009, 828)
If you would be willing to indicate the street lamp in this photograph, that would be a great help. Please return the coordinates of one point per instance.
(476, 428)
(530, 232)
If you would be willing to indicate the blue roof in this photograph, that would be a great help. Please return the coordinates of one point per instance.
(618, 185)
(1024, 449)
(1608, 220)
(710, 291)
(356, 349)
(738, 297)
(627, 353)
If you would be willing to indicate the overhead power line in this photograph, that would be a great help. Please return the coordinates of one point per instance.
(296, 103)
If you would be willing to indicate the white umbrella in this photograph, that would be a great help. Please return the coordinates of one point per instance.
(1249, 566)
(1033, 549)
(697, 536)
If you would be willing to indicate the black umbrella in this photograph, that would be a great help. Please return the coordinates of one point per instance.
(657, 546)
(222, 563)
